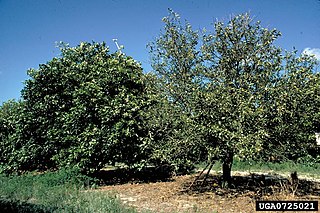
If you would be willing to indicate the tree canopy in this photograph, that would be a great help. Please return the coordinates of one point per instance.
(83, 109)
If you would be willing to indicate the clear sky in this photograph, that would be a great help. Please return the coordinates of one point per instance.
(30, 28)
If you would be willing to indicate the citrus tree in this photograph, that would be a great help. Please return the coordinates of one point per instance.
(227, 83)
(169, 128)
(84, 110)
(292, 111)
(10, 132)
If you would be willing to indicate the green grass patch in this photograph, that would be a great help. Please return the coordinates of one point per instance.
(303, 168)
(311, 170)
(62, 191)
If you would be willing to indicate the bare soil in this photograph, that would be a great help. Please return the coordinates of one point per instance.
(176, 194)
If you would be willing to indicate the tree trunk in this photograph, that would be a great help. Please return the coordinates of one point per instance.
(226, 167)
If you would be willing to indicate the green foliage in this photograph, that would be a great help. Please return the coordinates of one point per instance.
(175, 60)
(243, 63)
(11, 127)
(83, 110)
(243, 95)
(293, 111)
(169, 131)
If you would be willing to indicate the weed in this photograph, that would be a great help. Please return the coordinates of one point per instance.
(60, 191)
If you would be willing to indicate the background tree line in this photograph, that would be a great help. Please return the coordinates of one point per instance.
(230, 93)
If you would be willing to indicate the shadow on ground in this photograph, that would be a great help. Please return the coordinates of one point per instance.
(15, 206)
(126, 175)
(254, 185)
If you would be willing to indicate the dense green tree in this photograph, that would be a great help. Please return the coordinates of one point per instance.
(84, 110)
(10, 129)
(228, 82)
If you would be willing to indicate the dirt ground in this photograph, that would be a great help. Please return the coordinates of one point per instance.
(177, 195)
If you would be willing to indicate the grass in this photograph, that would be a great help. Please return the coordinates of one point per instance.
(62, 191)
(306, 169)
(311, 170)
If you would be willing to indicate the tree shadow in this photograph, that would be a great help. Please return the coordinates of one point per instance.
(255, 186)
(129, 175)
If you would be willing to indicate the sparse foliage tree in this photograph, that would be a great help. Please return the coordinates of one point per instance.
(228, 82)
(169, 129)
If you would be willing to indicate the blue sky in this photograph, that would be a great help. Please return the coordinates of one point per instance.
(30, 28)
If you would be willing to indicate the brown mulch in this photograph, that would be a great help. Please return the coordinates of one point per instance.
(176, 195)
